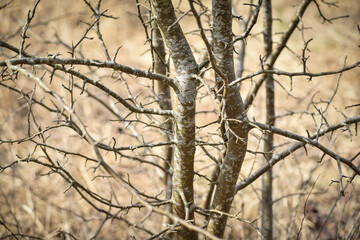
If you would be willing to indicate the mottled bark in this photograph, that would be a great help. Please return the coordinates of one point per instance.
(266, 201)
(164, 99)
(234, 113)
(184, 113)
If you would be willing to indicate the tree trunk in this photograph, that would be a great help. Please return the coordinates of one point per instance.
(236, 130)
(184, 113)
(164, 98)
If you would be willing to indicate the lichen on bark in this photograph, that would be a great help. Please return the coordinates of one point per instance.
(184, 113)
(234, 116)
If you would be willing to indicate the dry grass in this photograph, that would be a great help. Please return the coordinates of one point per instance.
(42, 204)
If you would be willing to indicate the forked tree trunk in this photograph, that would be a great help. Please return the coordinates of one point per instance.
(233, 114)
(266, 203)
(184, 113)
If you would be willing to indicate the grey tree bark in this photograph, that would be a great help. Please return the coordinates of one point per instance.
(164, 99)
(233, 116)
(266, 201)
(184, 113)
(178, 208)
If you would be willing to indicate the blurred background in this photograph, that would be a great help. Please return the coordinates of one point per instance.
(36, 202)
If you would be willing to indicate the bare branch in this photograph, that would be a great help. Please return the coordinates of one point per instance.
(275, 159)
(93, 63)
(296, 74)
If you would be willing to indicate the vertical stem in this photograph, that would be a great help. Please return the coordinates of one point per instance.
(236, 130)
(184, 113)
(164, 97)
(266, 203)
(276, 53)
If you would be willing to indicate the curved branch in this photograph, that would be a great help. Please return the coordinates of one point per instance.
(295, 74)
(275, 54)
(308, 140)
(252, 24)
(275, 159)
(105, 89)
(91, 62)
(58, 64)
